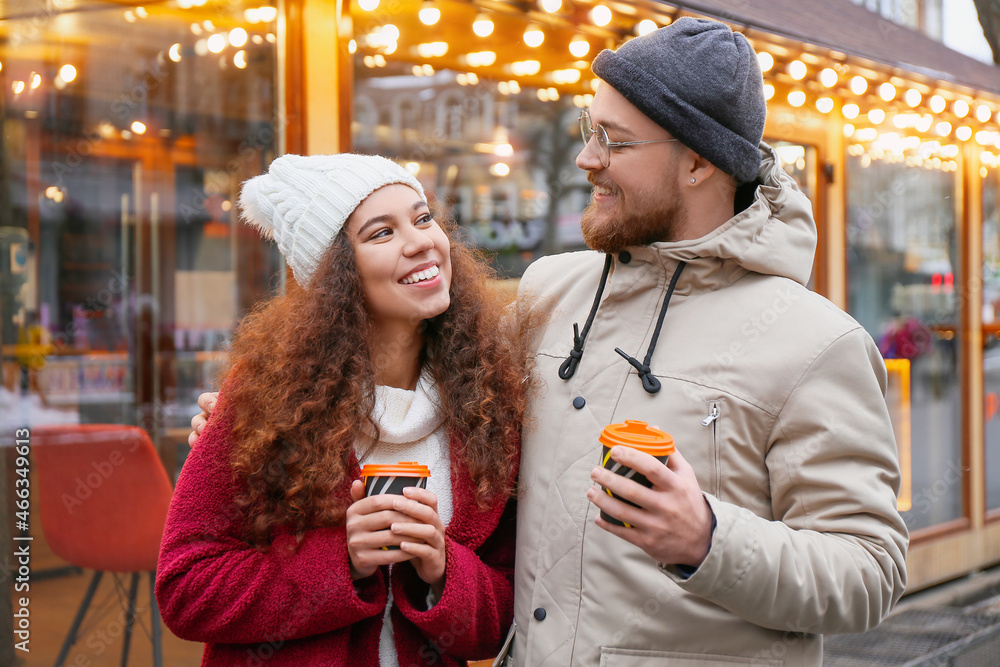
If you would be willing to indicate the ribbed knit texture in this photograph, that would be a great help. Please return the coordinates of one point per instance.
(701, 82)
(412, 430)
(302, 202)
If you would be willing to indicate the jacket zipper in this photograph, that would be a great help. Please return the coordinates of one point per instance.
(712, 420)
(712, 416)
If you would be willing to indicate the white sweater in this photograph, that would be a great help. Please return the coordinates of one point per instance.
(412, 430)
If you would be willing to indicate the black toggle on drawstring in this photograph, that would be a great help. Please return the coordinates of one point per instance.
(650, 383)
(568, 367)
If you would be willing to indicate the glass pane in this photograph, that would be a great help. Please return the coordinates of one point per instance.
(492, 134)
(991, 335)
(127, 132)
(903, 257)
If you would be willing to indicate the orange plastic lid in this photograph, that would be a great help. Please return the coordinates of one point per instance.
(638, 435)
(401, 469)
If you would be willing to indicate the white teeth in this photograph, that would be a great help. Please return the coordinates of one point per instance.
(418, 276)
(602, 191)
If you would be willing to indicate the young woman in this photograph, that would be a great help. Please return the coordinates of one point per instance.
(389, 349)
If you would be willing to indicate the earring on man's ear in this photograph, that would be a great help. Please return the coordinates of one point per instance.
(693, 180)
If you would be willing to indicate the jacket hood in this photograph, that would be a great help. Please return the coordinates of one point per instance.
(775, 235)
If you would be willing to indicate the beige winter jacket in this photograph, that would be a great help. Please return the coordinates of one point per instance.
(775, 397)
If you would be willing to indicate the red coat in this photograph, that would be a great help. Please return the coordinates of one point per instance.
(301, 608)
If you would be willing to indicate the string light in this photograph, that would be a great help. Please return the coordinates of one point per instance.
(579, 47)
(859, 85)
(216, 43)
(797, 98)
(174, 53)
(600, 15)
(828, 77)
(961, 108)
(533, 37)
(368, 5)
(765, 60)
(938, 104)
(913, 97)
(824, 104)
(876, 116)
(963, 133)
(645, 26)
(483, 25)
(67, 73)
(550, 6)
(983, 113)
(238, 37)
(768, 91)
(943, 128)
(429, 14)
(887, 91)
(797, 70)
(850, 111)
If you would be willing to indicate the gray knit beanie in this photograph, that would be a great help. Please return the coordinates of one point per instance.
(302, 202)
(700, 81)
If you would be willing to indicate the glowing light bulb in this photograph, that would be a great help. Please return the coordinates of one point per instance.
(579, 47)
(797, 70)
(533, 37)
(824, 104)
(859, 85)
(175, 53)
(368, 5)
(828, 77)
(983, 113)
(765, 60)
(138, 128)
(963, 133)
(238, 37)
(67, 73)
(876, 116)
(645, 26)
(961, 108)
(938, 104)
(943, 128)
(600, 15)
(887, 91)
(240, 59)
(216, 43)
(551, 6)
(768, 91)
(797, 98)
(913, 97)
(429, 15)
(483, 25)
(850, 111)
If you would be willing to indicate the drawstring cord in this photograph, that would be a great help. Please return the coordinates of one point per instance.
(568, 367)
(650, 383)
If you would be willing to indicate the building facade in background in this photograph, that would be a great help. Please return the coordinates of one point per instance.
(128, 129)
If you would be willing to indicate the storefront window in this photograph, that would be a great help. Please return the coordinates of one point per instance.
(991, 335)
(902, 272)
(486, 121)
(127, 132)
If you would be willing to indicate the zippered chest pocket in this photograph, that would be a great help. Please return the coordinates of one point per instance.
(713, 423)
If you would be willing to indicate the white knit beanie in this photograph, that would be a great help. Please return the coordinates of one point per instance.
(302, 202)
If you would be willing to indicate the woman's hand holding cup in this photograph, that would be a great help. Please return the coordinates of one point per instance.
(370, 542)
(423, 536)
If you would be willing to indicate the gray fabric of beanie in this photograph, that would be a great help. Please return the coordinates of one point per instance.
(700, 81)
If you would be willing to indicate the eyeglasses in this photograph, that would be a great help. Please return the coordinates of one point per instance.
(604, 146)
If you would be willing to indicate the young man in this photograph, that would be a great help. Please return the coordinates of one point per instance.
(775, 521)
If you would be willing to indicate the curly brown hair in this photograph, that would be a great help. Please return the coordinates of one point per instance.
(301, 388)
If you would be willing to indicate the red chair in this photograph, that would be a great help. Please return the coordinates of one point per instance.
(103, 498)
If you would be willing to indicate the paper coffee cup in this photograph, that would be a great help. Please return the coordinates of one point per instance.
(393, 478)
(637, 435)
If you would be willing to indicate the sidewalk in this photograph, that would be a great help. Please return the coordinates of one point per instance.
(956, 624)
